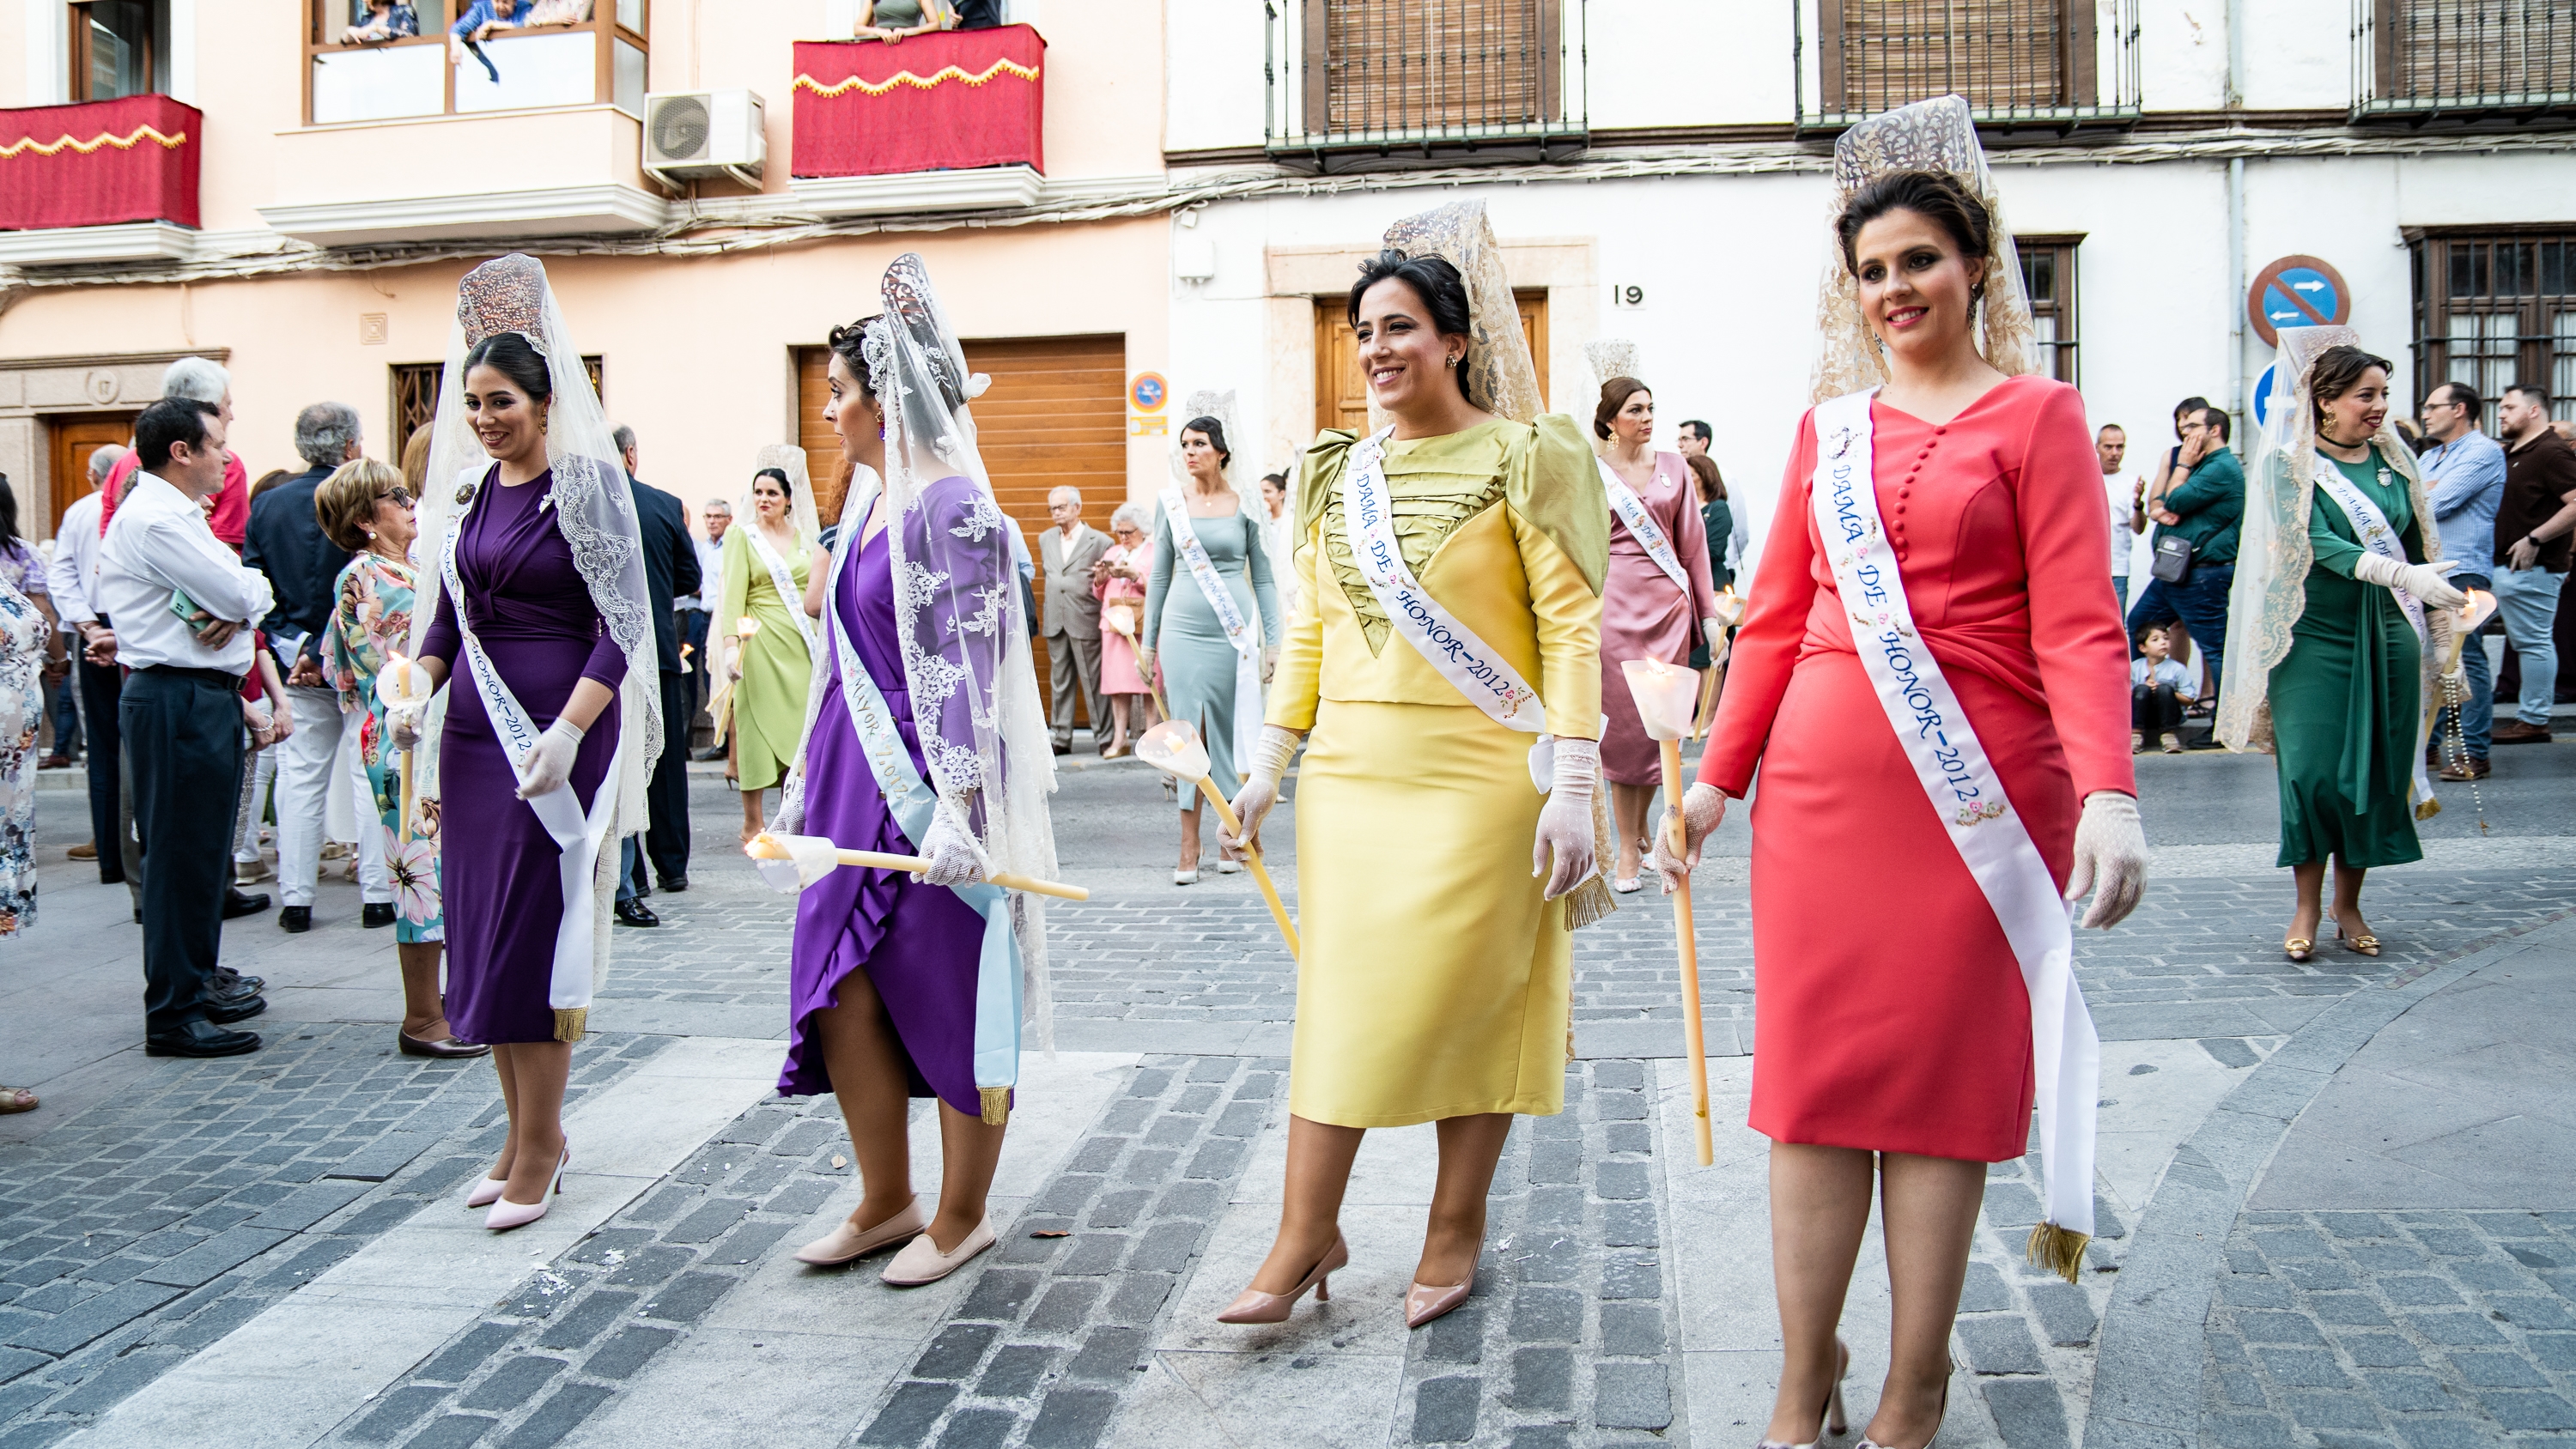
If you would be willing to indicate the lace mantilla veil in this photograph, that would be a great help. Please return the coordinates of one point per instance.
(1613, 357)
(1220, 406)
(592, 507)
(1501, 379)
(1001, 779)
(1934, 135)
(2273, 555)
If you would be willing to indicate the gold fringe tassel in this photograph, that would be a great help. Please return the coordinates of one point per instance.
(1592, 901)
(997, 1105)
(2057, 1249)
(571, 1022)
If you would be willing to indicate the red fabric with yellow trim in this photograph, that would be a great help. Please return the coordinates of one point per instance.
(99, 163)
(939, 102)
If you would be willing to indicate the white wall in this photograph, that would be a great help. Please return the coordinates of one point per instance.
(1688, 62)
(1212, 71)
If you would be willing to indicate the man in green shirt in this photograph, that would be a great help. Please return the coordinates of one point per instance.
(2201, 499)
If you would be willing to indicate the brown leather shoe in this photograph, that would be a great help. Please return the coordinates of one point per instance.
(413, 1046)
(2475, 767)
(86, 850)
(2515, 732)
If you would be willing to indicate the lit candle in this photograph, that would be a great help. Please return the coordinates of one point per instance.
(1667, 696)
(1730, 606)
(747, 626)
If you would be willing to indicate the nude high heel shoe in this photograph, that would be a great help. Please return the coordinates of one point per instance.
(1256, 1306)
(506, 1214)
(1867, 1442)
(1424, 1302)
(1831, 1419)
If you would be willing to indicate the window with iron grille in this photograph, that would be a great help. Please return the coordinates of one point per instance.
(2043, 61)
(2495, 309)
(2463, 55)
(1469, 76)
(2048, 276)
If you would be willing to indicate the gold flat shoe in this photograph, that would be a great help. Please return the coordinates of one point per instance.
(2361, 945)
(2299, 948)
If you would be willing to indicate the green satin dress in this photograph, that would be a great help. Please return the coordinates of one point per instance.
(2346, 700)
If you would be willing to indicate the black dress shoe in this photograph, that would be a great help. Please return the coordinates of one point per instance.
(225, 1010)
(671, 884)
(200, 1039)
(633, 912)
(376, 913)
(447, 1047)
(233, 983)
(1064, 747)
(238, 904)
(298, 919)
(222, 992)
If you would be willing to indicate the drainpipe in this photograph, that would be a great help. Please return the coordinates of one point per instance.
(2235, 101)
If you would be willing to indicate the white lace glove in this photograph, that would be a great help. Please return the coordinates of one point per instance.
(2110, 858)
(1702, 808)
(2424, 581)
(402, 725)
(1260, 789)
(950, 848)
(548, 762)
(1565, 822)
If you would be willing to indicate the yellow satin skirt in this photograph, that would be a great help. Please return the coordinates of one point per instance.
(1436, 981)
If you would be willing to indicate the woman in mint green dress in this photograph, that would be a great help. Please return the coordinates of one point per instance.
(2345, 617)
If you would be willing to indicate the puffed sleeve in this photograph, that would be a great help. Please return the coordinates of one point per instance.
(1297, 681)
(2074, 620)
(1766, 643)
(1560, 519)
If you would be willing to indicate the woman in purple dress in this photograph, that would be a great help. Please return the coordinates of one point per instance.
(907, 986)
(547, 738)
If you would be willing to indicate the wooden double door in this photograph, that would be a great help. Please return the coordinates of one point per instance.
(1341, 396)
(75, 437)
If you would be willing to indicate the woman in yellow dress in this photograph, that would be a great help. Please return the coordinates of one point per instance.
(1449, 573)
(768, 559)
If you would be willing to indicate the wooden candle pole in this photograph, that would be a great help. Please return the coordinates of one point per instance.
(1692, 1037)
(1260, 872)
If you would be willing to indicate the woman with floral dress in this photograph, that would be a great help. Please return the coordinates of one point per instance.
(366, 508)
(23, 631)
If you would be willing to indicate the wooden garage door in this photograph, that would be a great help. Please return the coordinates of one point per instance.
(1055, 416)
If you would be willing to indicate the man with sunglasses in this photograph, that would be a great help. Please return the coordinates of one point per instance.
(303, 565)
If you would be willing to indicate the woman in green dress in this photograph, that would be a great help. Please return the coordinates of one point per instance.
(767, 561)
(2334, 632)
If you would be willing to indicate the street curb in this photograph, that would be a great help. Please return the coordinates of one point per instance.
(2147, 1390)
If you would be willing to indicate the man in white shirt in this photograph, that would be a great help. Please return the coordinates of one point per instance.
(2111, 446)
(184, 606)
(71, 577)
(718, 516)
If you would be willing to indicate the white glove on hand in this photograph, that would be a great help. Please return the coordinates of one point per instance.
(402, 725)
(1260, 790)
(2424, 581)
(1565, 822)
(548, 762)
(1702, 808)
(950, 849)
(2111, 854)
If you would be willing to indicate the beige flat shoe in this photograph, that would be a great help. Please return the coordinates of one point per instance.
(845, 1243)
(921, 1261)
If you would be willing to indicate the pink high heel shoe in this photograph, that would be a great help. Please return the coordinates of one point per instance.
(488, 1191)
(1424, 1302)
(506, 1214)
(1256, 1306)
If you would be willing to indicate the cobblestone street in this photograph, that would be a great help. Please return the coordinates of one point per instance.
(2334, 1203)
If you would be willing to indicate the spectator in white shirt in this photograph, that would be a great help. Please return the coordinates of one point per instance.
(718, 515)
(2111, 445)
(72, 578)
(2158, 689)
(184, 608)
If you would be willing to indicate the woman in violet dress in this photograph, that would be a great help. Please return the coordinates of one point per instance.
(536, 608)
(1903, 1038)
(891, 992)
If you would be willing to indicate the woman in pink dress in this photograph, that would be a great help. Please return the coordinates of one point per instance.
(1897, 1042)
(1120, 584)
(1646, 612)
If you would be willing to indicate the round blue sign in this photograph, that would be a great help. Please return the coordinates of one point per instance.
(2301, 297)
(2262, 408)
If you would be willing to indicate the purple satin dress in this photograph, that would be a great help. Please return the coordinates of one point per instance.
(500, 868)
(918, 943)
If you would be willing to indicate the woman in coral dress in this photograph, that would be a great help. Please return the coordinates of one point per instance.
(1896, 993)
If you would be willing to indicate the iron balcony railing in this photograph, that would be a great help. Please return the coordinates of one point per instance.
(2044, 64)
(1374, 84)
(2427, 59)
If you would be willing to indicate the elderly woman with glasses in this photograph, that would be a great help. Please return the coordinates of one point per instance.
(366, 508)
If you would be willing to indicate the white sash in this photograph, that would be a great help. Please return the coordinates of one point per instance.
(1969, 797)
(1475, 668)
(1642, 526)
(1246, 725)
(2379, 538)
(783, 579)
(559, 810)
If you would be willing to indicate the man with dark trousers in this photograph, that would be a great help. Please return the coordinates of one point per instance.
(184, 607)
(670, 571)
(71, 577)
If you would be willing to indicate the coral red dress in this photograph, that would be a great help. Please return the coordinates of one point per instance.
(1889, 1013)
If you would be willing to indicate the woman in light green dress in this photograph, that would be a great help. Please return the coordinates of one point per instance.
(2332, 621)
(1181, 632)
(768, 634)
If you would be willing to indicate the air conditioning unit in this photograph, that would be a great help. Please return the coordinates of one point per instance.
(693, 134)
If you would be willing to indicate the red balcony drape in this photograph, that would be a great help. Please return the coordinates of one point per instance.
(99, 163)
(940, 102)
